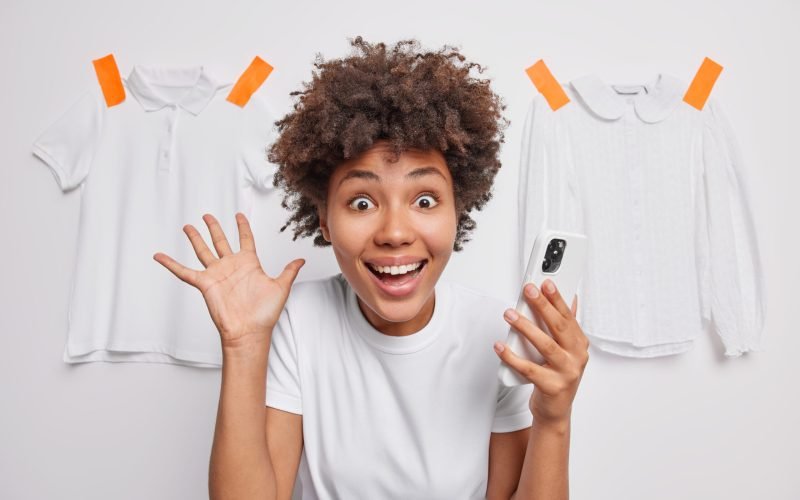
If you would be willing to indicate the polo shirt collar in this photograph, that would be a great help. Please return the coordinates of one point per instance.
(654, 102)
(201, 87)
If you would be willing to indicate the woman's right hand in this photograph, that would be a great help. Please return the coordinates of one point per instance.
(244, 302)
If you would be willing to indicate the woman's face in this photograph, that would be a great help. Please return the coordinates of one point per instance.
(379, 215)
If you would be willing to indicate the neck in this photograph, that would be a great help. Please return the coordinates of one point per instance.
(399, 328)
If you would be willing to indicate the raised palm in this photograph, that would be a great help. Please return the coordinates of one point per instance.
(244, 302)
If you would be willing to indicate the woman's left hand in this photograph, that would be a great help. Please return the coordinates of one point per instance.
(565, 353)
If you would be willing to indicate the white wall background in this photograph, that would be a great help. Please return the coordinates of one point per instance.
(693, 426)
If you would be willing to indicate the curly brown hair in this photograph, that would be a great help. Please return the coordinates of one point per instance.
(413, 99)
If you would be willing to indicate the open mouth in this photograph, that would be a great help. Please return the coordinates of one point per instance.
(397, 275)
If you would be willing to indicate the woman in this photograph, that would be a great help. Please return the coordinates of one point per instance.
(382, 373)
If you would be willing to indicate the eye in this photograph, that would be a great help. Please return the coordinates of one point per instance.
(428, 200)
(360, 203)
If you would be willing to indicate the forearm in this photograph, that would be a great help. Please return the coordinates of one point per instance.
(545, 470)
(240, 465)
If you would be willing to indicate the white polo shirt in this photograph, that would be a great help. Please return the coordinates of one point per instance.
(173, 150)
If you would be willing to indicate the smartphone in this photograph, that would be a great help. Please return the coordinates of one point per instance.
(560, 256)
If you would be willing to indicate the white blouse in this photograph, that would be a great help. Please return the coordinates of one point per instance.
(660, 190)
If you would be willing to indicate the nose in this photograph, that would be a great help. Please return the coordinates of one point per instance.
(396, 229)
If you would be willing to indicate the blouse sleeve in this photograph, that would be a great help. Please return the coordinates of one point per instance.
(513, 411)
(547, 190)
(733, 297)
(283, 379)
(69, 145)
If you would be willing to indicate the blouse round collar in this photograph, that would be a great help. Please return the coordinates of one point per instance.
(653, 101)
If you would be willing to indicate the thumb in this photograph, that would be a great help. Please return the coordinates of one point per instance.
(289, 273)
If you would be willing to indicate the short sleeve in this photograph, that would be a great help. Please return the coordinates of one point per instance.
(513, 411)
(69, 145)
(258, 134)
(283, 380)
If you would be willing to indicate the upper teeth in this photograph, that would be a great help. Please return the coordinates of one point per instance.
(396, 269)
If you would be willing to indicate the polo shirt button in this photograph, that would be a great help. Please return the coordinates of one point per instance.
(165, 154)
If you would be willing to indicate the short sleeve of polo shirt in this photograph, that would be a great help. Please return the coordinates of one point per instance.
(513, 412)
(68, 146)
(283, 380)
(258, 135)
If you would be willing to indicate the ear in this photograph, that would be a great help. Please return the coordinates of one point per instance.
(323, 223)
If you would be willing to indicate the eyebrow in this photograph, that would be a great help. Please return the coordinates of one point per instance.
(372, 176)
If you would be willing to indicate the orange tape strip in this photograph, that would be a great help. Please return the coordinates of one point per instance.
(547, 85)
(110, 81)
(248, 83)
(703, 82)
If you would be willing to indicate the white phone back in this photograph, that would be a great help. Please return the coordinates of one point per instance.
(567, 278)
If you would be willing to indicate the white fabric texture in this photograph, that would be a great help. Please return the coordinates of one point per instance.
(392, 417)
(660, 190)
(173, 150)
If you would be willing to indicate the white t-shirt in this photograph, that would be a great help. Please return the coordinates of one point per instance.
(661, 191)
(393, 417)
(172, 151)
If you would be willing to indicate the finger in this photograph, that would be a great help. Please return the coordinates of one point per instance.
(202, 251)
(556, 322)
(554, 296)
(218, 238)
(544, 343)
(246, 241)
(583, 343)
(184, 273)
(537, 374)
(289, 273)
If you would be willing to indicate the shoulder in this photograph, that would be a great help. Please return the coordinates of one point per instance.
(470, 301)
(311, 303)
(712, 113)
(319, 293)
(317, 300)
(477, 313)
